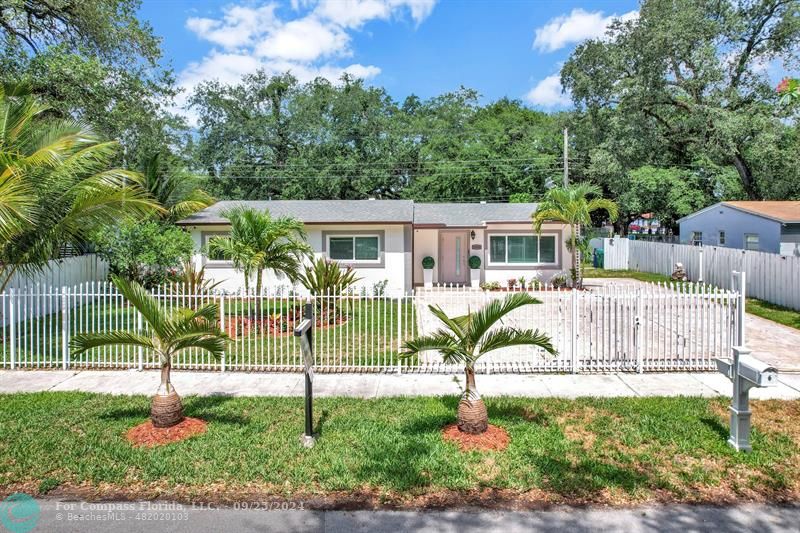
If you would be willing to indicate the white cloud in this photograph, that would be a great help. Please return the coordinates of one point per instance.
(248, 38)
(305, 39)
(578, 26)
(238, 27)
(549, 93)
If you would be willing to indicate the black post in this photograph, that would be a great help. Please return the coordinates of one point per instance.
(309, 315)
(305, 331)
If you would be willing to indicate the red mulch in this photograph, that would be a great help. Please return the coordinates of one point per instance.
(494, 438)
(145, 435)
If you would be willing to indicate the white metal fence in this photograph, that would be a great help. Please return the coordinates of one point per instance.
(655, 328)
(771, 277)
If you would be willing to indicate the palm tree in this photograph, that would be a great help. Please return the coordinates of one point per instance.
(572, 205)
(175, 190)
(56, 187)
(465, 339)
(258, 242)
(168, 334)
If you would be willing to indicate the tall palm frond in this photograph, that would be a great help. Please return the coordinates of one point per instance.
(56, 186)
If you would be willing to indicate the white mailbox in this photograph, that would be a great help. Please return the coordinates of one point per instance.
(746, 372)
(757, 372)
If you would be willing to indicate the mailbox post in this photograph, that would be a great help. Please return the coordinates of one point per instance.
(745, 372)
(305, 331)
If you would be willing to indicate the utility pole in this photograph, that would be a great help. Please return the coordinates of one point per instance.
(566, 157)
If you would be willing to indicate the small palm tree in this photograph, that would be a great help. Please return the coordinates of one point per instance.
(170, 333)
(467, 338)
(258, 242)
(572, 205)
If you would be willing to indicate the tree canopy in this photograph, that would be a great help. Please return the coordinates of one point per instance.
(687, 85)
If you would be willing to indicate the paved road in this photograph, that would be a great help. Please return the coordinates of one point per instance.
(58, 517)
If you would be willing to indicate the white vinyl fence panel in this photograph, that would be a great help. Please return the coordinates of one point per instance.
(771, 277)
(655, 328)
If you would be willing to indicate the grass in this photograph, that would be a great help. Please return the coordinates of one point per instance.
(591, 272)
(776, 313)
(368, 336)
(389, 451)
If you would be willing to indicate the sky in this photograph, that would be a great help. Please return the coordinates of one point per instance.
(501, 48)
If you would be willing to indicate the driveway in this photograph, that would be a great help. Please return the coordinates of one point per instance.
(773, 343)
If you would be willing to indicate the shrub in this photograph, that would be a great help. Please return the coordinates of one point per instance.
(428, 262)
(474, 262)
(512, 282)
(144, 252)
(491, 286)
(325, 277)
(559, 281)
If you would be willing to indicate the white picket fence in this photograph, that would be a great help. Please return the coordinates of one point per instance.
(771, 277)
(617, 328)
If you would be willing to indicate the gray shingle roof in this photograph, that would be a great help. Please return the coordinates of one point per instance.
(452, 214)
(373, 211)
(315, 211)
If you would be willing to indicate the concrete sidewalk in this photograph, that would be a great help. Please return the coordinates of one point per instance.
(385, 385)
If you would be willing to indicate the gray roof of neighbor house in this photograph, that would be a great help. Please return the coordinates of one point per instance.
(372, 211)
(314, 211)
(453, 214)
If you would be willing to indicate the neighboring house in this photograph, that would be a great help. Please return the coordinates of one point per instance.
(386, 240)
(766, 226)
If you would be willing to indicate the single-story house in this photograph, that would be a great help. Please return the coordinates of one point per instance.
(386, 240)
(766, 226)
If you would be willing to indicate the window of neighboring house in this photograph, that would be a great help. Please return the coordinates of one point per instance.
(213, 258)
(697, 238)
(522, 249)
(354, 248)
(721, 239)
(751, 241)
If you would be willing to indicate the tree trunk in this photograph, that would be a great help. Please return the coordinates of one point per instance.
(472, 415)
(166, 409)
(258, 281)
(745, 175)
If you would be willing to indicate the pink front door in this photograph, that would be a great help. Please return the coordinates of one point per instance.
(453, 250)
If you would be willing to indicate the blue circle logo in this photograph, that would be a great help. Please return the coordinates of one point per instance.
(19, 513)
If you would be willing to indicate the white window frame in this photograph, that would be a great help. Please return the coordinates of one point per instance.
(695, 240)
(538, 249)
(758, 242)
(354, 237)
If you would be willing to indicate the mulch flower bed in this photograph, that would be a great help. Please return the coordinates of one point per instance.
(274, 325)
(147, 436)
(494, 438)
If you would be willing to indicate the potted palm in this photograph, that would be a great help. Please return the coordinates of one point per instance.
(475, 271)
(168, 334)
(427, 271)
(465, 339)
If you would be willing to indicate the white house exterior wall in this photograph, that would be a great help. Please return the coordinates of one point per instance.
(394, 266)
(426, 243)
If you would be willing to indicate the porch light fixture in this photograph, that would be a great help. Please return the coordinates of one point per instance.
(472, 234)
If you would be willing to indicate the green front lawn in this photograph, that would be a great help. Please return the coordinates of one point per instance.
(364, 333)
(591, 272)
(776, 313)
(381, 451)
